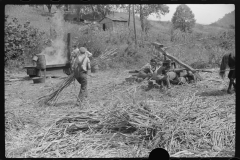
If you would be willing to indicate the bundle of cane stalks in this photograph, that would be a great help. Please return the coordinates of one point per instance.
(104, 57)
(51, 98)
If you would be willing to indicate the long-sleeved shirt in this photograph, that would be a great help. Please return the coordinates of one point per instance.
(149, 69)
(89, 54)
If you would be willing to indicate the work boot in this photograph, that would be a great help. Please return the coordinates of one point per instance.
(229, 91)
(78, 104)
(139, 80)
(79, 101)
(150, 86)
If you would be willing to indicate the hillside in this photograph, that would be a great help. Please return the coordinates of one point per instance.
(39, 19)
(36, 16)
(226, 21)
(158, 30)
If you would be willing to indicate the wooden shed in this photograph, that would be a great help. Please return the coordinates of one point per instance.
(111, 23)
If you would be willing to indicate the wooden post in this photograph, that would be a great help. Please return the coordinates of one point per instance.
(160, 48)
(45, 73)
(68, 46)
(67, 67)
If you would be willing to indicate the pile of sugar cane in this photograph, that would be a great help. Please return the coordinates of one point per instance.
(193, 126)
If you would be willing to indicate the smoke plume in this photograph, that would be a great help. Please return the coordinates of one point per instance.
(55, 54)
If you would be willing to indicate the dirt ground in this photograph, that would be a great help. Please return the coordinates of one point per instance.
(21, 100)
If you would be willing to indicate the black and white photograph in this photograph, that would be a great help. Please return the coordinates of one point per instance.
(119, 80)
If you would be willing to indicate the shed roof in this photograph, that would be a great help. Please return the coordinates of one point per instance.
(115, 18)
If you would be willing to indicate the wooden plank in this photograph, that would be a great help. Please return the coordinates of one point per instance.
(182, 69)
(48, 66)
(160, 48)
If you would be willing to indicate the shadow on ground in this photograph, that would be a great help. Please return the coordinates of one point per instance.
(212, 93)
(65, 103)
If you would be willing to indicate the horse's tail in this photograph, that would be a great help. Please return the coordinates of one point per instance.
(224, 65)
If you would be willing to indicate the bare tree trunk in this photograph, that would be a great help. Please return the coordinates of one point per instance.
(66, 7)
(141, 18)
(171, 34)
(134, 26)
(129, 14)
(49, 6)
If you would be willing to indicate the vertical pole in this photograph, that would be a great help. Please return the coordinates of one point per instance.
(67, 68)
(68, 47)
(129, 14)
(134, 26)
(51, 37)
(40, 72)
(45, 73)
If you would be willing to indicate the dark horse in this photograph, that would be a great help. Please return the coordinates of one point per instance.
(228, 60)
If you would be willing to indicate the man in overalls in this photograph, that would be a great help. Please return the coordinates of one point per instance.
(82, 67)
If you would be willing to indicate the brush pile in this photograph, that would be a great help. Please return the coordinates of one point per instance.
(106, 56)
(51, 99)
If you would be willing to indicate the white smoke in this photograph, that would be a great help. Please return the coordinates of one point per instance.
(55, 54)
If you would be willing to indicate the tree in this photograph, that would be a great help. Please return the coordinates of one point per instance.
(134, 26)
(145, 10)
(148, 9)
(66, 7)
(101, 10)
(183, 19)
(22, 41)
(129, 14)
(141, 17)
(59, 6)
(49, 6)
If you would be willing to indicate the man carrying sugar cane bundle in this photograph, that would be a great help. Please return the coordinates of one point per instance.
(81, 67)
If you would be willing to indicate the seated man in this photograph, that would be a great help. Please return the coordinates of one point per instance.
(187, 75)
(162, 76)
(165, 76)
(147, 70)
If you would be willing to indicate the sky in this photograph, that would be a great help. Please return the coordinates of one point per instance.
(204, 13)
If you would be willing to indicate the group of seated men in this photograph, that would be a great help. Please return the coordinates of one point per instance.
(164, 74)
